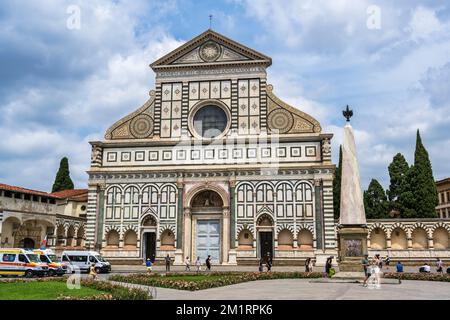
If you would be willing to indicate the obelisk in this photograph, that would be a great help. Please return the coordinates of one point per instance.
(352, 228)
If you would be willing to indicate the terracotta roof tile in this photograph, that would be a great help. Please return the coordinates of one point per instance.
(76, 194)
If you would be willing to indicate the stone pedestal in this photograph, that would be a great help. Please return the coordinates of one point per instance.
(232, 255)
(352, 248)
(178, 258)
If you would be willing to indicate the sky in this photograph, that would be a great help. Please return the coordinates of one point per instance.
(70, 69)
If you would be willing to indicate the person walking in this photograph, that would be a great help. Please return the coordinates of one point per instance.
(439, 266)
(168, 261)
(93, 272)
(399, 267)
(387, 261)
(208, 263)
(328, 266)
(198, 264)
(365, 264)
(187, 264)
(308, 265)
(261, 265)
(148, 264)
(269, 262)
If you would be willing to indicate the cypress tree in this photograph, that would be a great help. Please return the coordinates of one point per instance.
(375, 201)
(63, 180)
(337, 186)
(424, 186)
(398, 170)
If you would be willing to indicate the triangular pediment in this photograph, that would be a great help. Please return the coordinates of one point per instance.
(211, 48)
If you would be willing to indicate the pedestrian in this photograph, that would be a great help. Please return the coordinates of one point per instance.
(329, 270)
(148, 264)
(269, 262)
(93, 272)
(308, 265)
(399, 267)
(261, 265)
(365, 264)
(439, 266)
(208, 263)
(168, 261)
(387, 261)
(379, 261)
(187, 264)
(198, 264)
(375, 272)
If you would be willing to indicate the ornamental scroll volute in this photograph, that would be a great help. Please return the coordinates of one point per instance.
(285, 119)
(96, 156)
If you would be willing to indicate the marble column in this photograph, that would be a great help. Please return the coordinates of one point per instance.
(226, 235)
(187, 233)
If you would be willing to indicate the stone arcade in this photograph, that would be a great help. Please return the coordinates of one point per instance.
(213, 163)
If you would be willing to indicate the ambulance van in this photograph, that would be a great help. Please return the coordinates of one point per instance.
(21, 262)
(48, 257)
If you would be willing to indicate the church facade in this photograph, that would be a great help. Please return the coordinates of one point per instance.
(213, 163)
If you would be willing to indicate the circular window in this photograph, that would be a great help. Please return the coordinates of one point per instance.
(210, 121)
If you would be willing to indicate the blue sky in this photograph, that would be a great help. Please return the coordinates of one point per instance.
(62, 87)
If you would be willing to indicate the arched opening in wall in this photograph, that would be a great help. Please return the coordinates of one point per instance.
(130, 240)
(27, 243)
(60, 236)
(377, 239)
(398, 239)
(112, 239)
(70, 236)
(441, 239)
(419, 239)
(207, 199)
(305, 240)
(9, 227)
(80, 237)
(285, 240)
(149, 221)
(167, 240)
(245, 240)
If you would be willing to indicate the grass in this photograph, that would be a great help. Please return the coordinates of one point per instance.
(49, 290)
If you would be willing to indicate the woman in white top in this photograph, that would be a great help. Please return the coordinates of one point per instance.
(187, 263)
(198, 264)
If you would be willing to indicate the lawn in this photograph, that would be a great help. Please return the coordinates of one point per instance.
(37, 290)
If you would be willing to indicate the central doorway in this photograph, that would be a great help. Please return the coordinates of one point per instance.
(208, 240)
(266, 243)
(150, 246)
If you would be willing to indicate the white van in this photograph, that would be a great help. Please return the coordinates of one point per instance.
(83, 260)
(21, 262)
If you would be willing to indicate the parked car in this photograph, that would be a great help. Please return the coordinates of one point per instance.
(83, 261)
(55, 267)
(21, 262)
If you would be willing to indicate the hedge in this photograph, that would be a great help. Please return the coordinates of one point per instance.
(220, 279)
(418, 276)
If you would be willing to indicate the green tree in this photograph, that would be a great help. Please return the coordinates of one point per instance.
(398, 170)
(405, 202)
(423, 183)
(63, 180)
(375, 201)
(337, 186)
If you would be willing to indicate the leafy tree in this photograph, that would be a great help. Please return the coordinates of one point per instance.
(63, 180)
(398, 170)
(423, 183)
(375, 201)
(337, 186)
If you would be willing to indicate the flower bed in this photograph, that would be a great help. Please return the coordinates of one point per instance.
(418, 276)
(108, 291)
(202, 281)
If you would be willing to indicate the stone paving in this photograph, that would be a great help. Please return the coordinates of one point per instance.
(306, 289)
